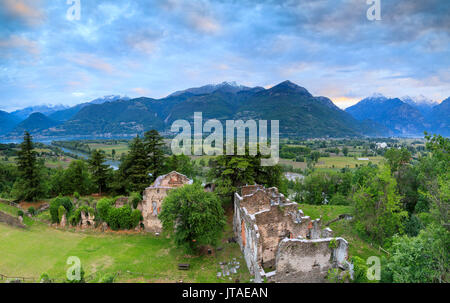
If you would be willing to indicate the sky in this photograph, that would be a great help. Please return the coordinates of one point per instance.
(153, 48)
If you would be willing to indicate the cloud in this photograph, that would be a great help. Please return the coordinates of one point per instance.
(202, 23)
(92, 62)
(26, 10)
(141, 91)
(15, 43)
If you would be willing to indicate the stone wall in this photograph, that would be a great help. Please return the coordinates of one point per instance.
(154, 195)
(275, 235)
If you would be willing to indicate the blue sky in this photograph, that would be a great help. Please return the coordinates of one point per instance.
(153, 48)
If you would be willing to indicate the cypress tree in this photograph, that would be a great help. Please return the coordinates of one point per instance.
(29, 170)
(154, 144)
(100, 171)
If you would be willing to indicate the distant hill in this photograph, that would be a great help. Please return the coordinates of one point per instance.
(399, 117)
(421, 103)
(440, 118)
(300, 114)
(7, 122)
(68, 113)
(227, 87)
(36, 123)
(22, 114)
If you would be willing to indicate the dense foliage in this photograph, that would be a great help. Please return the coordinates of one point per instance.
(195, 217)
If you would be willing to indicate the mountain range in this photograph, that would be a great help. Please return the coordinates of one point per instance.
(404, 116)
(300, 113)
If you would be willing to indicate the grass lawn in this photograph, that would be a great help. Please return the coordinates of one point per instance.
(357, 245)
(139, 257)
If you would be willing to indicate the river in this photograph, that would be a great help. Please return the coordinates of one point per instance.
(113, 164)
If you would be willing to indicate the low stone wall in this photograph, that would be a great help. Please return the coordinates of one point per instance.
(11, 220)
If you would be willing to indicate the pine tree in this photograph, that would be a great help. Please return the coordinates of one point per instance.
(100, 171)
(138, 170)
(154, 144)
(30, 174)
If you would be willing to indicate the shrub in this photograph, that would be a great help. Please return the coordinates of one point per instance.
(359, 270)
(339, 199)
(56, 203)
(76, 195)
(413, 226)
(136, 198)
(20, 213)
(136, 217)
(44, 278)
(32, 210)
(113, 218)
(125, 217)
(108, 278)
(103, 207)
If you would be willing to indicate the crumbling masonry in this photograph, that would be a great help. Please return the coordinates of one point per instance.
(280, 243)
(154, 196)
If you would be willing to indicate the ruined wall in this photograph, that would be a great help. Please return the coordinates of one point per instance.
(273, 233)
(11, 220)
(308, 261)
(153, 197)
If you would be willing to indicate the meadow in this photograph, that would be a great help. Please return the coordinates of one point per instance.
(138, 257)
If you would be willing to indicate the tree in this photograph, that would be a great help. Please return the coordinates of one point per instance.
(137, 170)
(154, 144)
(29, 186)
(194, 216)
(345, 151)
(113, 154)
(229, 173)
(421, 259)
(377, 207)
(100, 171)
(181, 164)
(396, 158)
(78, 178)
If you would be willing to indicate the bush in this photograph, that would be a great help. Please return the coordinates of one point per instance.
(136, 198)
(113, 218)
(76, 195)
(339, 199)
(44, 278)
(32, 210)
(54, 207)
(413, 226)
(125, 217)
(20, 213)
(103, 207)
(359, 270)
(136, 217)
(108, 278)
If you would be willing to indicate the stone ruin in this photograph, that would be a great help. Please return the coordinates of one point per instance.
(154, 195)
(280, 243)
(87, 220)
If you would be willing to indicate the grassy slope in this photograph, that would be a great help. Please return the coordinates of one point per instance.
(41, 249)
